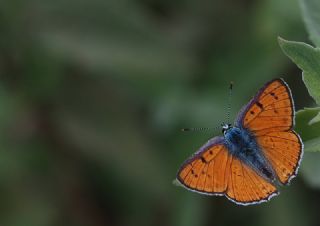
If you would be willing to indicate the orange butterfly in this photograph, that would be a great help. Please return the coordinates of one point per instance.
(260, 149)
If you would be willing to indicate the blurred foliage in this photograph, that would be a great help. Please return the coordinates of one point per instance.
(93, 95)
(310, 10)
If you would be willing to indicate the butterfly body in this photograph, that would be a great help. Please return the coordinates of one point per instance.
(260, 149)
(242, 145)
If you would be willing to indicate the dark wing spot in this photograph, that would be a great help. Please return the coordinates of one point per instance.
(274, 95)
(203, 159)
(210, 152)
(259, 104)
(252, 112)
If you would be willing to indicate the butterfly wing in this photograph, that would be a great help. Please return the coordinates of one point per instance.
(270, 117)
(246, 187)
(207, 170)
(284, 151)
(214, 171)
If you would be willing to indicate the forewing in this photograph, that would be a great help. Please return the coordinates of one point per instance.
(270, 110)
(208, 170)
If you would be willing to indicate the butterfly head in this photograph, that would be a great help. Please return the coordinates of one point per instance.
(226, 127)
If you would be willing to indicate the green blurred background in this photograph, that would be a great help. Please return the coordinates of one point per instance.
(93, 95)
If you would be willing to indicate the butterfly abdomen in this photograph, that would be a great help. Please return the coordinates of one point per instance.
(243, 146)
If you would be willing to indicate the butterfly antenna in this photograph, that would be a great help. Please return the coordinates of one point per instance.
(199, 129)
(229, 102)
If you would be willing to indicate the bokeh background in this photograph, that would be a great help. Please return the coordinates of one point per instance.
(93, 95)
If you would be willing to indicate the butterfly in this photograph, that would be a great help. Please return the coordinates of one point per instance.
(259, 151)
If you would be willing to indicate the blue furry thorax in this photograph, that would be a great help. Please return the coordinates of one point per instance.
(238, 138)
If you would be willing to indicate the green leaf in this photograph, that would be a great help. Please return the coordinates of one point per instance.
(307, 59)
(312, 145)
(311, 15)
(310, 133)
(307, 131)
(315, 119)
